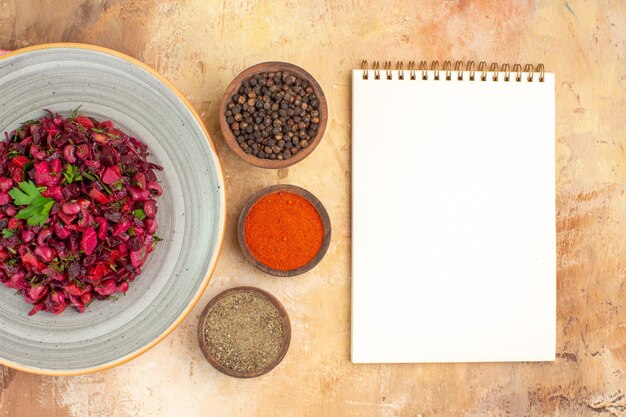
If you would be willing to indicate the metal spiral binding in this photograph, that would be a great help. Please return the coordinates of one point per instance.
(494, 69)
(507, 72)
(388, 69)
(458, 67)
(400, 69)
(435, 68)
(541, 70)
(517, 68)
(482, 65)
(471, 68)
(504, 70)
(447, 65)
(424, 69)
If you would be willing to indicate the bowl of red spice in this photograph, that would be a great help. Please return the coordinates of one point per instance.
(284, 230)
(273, 114)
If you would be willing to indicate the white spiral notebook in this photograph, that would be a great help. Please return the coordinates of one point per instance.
(453, 213)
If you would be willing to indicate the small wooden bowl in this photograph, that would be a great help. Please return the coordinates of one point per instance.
(257, 292)
(231, 141)
(311, 199)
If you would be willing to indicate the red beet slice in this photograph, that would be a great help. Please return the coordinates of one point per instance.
(89, 241)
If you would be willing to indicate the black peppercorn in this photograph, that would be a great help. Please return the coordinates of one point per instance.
(274, 115)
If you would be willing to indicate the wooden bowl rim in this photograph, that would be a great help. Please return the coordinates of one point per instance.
(272, 66)
(244, 290)
(321, 210)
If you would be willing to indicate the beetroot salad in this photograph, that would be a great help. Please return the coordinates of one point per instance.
(77, 211)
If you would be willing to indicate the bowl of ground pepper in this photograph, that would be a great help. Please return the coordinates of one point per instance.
(284, 230)
(273, 114)
(244, 332)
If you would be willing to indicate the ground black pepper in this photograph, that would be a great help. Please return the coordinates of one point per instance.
(244, 332)
(274, 115)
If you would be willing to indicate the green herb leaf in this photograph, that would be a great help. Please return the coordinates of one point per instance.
(155, 240)
(103, 132)
(12, 154)
(94, 177)
(47, 207)
(32, 215)
(75, 112)
(38, 206)
(118, 204)
(27, 167)
(8, 233)
(61, 265)
(118, 185)
(35, 280)
(27, 193)
(30, 189)
(140, 214)
(72, 174)
(19, 197)
(80, 127)
(127, 172)
(28, 212)
(20, 132)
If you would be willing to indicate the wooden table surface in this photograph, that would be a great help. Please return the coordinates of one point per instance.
(201, 45)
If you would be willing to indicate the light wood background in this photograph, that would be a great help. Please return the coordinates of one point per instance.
(201, 45)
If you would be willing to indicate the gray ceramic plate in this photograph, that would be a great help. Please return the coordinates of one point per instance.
(109, 85)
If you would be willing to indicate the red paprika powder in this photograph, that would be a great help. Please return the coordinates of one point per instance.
(284, 231)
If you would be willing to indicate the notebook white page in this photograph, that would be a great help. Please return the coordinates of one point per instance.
(453, 219)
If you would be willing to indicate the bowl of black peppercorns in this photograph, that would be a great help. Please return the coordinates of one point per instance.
(273, 114)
